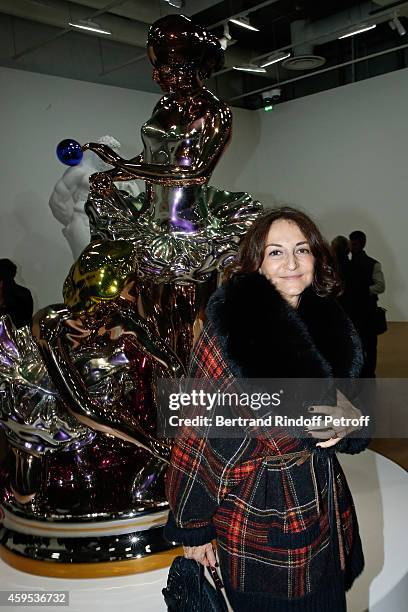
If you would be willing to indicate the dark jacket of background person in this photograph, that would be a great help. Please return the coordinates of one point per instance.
(361, 269)
(287, 533)
(369, 279)
(354, 295)
(345, 272)
(15, 300)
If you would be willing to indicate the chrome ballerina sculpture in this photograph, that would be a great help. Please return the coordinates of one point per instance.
(133, 303)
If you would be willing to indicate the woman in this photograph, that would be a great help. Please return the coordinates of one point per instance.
(278, 505)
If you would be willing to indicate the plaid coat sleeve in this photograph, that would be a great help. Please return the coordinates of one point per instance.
(204, 470)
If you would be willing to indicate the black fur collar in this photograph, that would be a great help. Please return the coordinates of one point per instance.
(262, 336)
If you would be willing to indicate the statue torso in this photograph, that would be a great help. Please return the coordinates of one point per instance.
(172, 128)
(175, 135)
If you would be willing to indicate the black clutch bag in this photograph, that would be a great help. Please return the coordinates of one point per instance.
(188, 590)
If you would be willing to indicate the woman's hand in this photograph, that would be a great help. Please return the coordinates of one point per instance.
(203, 554)
(333, 434)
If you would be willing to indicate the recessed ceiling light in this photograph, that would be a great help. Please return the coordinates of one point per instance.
(274, 59)
(89, 25)
(250, 68)
(303, 62)
(359, 30)
(243, 22)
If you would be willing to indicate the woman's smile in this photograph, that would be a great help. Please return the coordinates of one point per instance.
(292, 277)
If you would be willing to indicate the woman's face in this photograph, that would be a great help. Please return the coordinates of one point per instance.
(288, 262)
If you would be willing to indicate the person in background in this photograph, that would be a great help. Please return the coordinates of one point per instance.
(369, 278)
(352, 291)
(15, 300)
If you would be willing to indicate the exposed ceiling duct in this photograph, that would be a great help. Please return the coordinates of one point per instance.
(306, 33)
(303, 57)
(35, 35)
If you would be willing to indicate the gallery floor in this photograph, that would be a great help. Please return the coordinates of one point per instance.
(393, 363)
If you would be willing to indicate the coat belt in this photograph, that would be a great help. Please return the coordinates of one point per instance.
(332, 504)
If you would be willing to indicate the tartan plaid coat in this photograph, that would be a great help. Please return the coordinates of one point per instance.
(286, 529)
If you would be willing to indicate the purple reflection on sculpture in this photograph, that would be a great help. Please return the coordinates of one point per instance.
(103, 350)
(61, 435)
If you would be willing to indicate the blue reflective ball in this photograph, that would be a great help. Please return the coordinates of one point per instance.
(69, 152)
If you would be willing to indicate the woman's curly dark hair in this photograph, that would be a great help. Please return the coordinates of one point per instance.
(251, 250)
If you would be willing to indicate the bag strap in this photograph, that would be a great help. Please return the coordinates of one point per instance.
(214, 575)
(201, 579)
(216, 578)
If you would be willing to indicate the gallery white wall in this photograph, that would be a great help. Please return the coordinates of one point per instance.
(36, 112)
(342, 156)
(339, 154)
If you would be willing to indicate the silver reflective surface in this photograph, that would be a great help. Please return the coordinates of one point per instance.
(78, 396)
(31, 413)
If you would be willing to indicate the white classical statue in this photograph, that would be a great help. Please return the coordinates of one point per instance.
(71, 191)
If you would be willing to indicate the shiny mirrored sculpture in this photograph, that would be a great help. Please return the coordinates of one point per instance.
(133, 303)
(30, 410)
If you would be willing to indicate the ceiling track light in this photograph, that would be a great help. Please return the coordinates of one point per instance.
(395, 24)
(358, 30)
(250, 68)
(226, 39)
(274, 59)
(90, 26)
(243, 22)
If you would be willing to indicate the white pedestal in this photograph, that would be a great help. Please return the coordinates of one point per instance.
(380, 491)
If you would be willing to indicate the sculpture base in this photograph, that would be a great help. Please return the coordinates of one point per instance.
(108, 569)
(88, 548)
